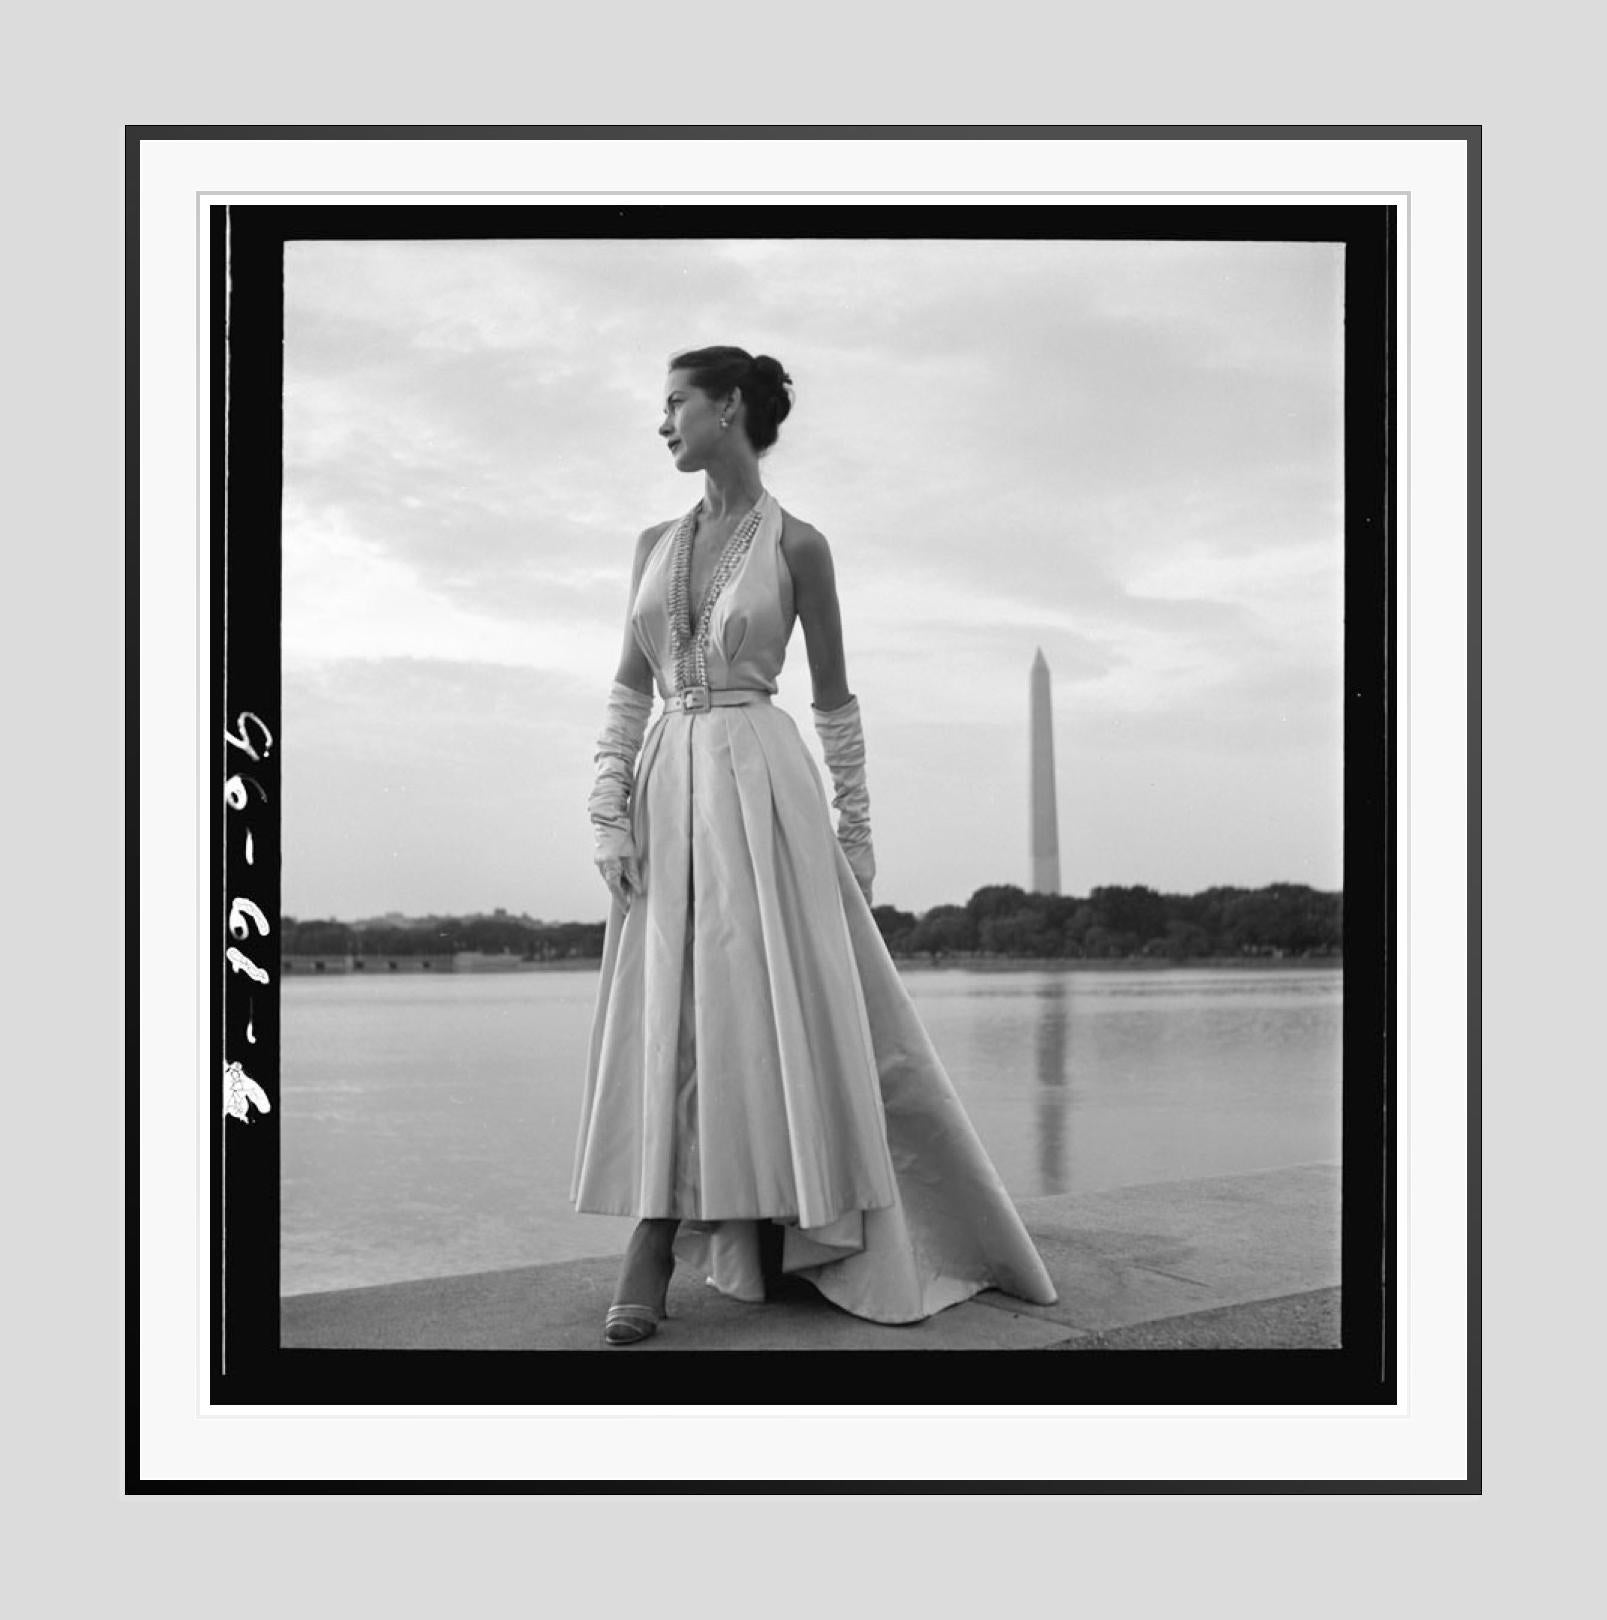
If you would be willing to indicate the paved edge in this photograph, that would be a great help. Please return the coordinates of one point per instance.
(1237, 1261)
(1295, 1322)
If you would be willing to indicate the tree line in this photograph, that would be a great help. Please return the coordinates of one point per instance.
(1281, 919)
(442, 936)
(1000, 919)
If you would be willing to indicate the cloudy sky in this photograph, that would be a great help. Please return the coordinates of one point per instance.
(1126, 453)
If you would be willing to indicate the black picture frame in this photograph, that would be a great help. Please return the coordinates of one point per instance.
(249, 1365)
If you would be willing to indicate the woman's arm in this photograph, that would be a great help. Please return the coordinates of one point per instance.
(634, 669)
(814, 594)
(836, 709)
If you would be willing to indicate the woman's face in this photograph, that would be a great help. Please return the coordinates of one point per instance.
(691, 424)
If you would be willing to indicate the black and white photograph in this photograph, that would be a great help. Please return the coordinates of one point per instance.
(810, 768)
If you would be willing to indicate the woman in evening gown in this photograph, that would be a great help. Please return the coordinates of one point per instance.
(760, 1093)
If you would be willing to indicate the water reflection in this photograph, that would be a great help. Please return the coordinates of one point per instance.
(428, 1128)
(1051, 1040)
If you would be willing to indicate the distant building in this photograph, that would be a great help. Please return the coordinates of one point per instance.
(305, 963)
(485, 962)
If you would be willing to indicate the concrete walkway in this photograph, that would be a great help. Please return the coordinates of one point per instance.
(1230, 1262)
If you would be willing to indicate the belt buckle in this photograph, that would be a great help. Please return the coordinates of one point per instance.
(694, 697)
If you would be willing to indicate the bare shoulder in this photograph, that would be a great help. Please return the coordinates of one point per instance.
(805, 548)
(645, 542)
(650, 536)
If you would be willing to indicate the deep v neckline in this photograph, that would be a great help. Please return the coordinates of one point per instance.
(692, 624)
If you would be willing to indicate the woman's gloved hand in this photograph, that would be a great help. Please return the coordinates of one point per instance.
(842, 738)
(618, 744)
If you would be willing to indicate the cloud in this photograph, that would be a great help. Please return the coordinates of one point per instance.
(1126, 453)
(346, 597)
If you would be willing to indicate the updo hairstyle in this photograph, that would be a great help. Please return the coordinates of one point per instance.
(766, 388)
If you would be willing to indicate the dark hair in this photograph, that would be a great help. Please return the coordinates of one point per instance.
(766, 388)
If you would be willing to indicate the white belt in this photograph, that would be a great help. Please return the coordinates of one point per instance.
(694, 699)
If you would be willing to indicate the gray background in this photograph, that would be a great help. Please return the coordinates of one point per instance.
(257, 1556)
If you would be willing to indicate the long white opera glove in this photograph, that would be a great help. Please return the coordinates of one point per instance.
(843, 738)
(618, 744)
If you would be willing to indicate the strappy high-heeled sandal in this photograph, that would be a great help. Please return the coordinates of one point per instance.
(630, 1324)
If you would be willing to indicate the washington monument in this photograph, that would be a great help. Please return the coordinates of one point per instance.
(1045, 831)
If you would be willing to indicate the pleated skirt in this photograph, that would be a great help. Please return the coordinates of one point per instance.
(755, 1056)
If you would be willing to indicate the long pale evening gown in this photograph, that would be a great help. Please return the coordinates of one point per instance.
(754, 1054)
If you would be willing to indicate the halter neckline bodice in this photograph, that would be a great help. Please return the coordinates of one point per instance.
(739, 634)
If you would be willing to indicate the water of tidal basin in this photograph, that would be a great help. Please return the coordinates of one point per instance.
(429, 1122)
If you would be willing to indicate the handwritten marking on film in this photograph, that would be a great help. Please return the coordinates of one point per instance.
(253, 738)
(243, 741)
(241, 1092)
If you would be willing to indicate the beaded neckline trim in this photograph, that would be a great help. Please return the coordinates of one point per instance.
(689, 643)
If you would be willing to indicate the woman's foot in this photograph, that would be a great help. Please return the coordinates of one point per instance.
(644, 1281)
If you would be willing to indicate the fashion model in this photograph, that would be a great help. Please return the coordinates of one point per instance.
(760, 1092)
